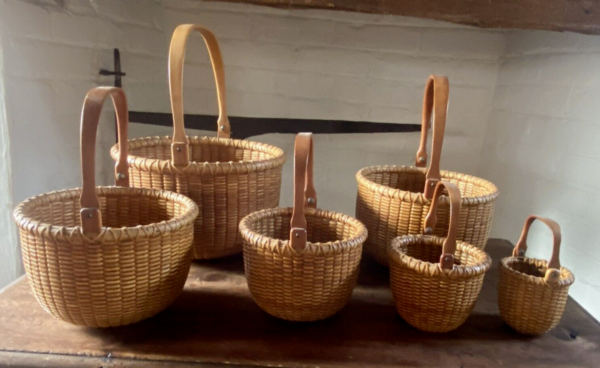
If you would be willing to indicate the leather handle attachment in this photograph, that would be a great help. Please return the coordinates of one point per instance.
(435, 102)
(553, 271)
(179, 147)
(305, 195)
(449, 246)
(91, 219)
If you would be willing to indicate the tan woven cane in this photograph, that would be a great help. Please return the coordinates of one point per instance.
(436, 281)
(302, 263)
(394, 200)
(106, 256)
(532, 293)
(227, 178)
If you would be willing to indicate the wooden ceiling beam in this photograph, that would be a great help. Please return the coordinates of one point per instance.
(582, 16)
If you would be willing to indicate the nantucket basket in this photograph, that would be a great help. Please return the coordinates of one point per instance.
(227, 178)
(393, 200)
(436, 281)
(106, 256)
(302, 263)
(532, 293)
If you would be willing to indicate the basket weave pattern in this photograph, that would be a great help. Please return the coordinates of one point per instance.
(308, 285)
(130, 271)
(391, 203)
(227, 178)
(527, 303)
(428, 297)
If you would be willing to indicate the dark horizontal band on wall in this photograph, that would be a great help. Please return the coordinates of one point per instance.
(243, 127)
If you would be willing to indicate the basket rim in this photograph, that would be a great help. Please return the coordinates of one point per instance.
(433, 269)
(281, 246)
(27, 223)
(419, 197)
(567, 277)
(204, 167)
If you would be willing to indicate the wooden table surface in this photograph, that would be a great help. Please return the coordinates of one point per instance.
(215, 323)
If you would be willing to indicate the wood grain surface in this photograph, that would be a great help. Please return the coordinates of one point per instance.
(215, 322)
(555, 15)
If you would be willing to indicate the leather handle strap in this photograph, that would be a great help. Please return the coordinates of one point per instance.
(305, 195)
(91, 219)
(179, 147)
(449, 246)
(521, 247)
(435, 102)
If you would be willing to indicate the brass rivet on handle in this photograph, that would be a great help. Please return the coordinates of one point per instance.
(428, 230)
(90, 215)
(222, 127)
(178, 149)
(311, 201)
(120, 176)
(421, 159)
(297, 235)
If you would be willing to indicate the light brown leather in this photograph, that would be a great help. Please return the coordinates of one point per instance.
(521, 247)
(449, 246)
(435, 101)
(179, 148)
(91, 221)
(305, 195)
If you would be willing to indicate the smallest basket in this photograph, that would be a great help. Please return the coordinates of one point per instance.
(436, 281)
(532, 293)
(302, 263)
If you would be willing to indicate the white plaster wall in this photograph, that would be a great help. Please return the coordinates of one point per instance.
(542, 149)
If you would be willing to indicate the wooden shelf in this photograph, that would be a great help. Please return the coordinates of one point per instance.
(215, 322)
(581, 16)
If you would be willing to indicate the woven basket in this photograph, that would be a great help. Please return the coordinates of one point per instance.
(394, 200)
(436, 281)
(302, 263)
(532, 293)
(107, 256)
(227, 178)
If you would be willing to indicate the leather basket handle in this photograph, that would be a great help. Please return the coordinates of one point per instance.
(91, 219)
(553, 271)
(435, 102)
(449, 246)
(179, 147)
(305, 195)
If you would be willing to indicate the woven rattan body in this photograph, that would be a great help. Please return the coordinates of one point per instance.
(528, 303)
(428, 297)
(132, 270)
(391, 203)
(227, 178)
(302, 285)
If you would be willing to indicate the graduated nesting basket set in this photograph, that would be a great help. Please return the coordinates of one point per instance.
(111, 256)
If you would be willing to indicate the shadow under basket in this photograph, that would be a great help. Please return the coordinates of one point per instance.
(528, 302)
(134, 268)
(227, 178)
(391, 203)
(302, 285)
(428, 297)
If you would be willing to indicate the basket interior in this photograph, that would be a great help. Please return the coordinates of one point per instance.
(429, 249)
(320, 229)
(414, 181)
(204, 150)
(119, 209)
(536, 269)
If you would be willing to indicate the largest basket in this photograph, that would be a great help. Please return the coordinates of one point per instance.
(394, 200)
(106, 256)
(227, 178)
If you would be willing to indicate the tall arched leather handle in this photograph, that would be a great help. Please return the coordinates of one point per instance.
(91, 219)
(449, 247)
(435, 101)
(179, 147)
(553, 273)
(305, 195)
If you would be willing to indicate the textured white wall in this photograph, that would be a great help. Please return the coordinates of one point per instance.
(542, 149)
